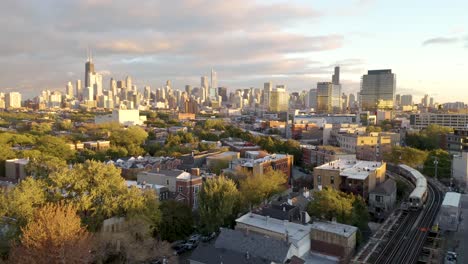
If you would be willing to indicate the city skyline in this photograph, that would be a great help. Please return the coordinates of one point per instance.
(298, 50)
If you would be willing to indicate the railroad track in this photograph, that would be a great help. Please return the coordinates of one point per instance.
(406, 243)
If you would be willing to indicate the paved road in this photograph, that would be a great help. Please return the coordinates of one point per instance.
(458, 241)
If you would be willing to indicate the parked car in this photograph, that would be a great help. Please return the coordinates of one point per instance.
(191, 244)
(179, 249)
(195, 237)
(208, 237)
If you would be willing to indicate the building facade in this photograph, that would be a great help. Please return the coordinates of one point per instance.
(378, 90)
(455, 121)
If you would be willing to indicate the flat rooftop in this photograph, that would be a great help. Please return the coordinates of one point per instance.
(452, 199)
(296, 232)
(335, 228)
(353, 169)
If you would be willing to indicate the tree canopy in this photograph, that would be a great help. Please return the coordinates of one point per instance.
(406, 155)
(257, 188)
(55, 235)
(176, 221)
(428, 138)
(217, 200)
(444, 164)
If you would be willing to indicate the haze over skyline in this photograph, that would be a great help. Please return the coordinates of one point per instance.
(296, 43)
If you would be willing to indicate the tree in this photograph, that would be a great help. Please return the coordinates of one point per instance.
(406, 155)
(97, 189)
(217, 200)
(176, 221)
(54, 146)
(329, 204)
(131, 138)
(444, 164)
(370, 129)
(54, 236)
(257, 188)
(41, 166)
(428, 138)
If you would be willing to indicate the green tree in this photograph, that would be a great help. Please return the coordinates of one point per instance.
(176, 221)
(257, 188)
(406, 155)
(428, 138)
(444, 164)
(330, 203)
(97, 189)
(54, 146)
(131, 138)
(370, 129)
(217, 200)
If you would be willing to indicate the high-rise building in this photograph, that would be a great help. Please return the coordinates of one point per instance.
(96, 83)
(378, 90)
(188, 90)
(69, 89)
(279, 99)
(79, 89)
(213, 85)
(128, 82)
(336, 76)
(222, 91)
(328, 97)
(312, 99)
(13, 100)
(113, 86)
(267, 88)
(431, 102)
(398, 100)
(89, 70)
(406, 100)
(204, 86)
(351, 101)
(147, 92)
(425, 100)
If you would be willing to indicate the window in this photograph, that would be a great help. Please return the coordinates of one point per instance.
(332, 179)
(167, 182)
(181, 189)
(196, 188)
(379, 198)
(319, 180)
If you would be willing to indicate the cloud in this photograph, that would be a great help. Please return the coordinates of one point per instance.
(158, 40)
(440, 40)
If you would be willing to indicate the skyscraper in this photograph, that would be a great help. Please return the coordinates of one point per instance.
(113, 86)
(378, 90)
(13, 100)
(336, 76)
(312, 99)
(79, 89)
(188, 90)
(204, 86)
(128, 82)
(267, 88)
(89, 69)
(69, 89)
(328, 97)
(279, 99)
(406, 99)
(213, 84)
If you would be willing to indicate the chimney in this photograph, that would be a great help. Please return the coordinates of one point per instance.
(195, 171)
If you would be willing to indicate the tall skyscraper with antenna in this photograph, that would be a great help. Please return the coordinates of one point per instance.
(213, 85)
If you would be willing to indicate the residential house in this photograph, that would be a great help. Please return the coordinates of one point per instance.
(183, 185)
(382, 199)
(352, 176)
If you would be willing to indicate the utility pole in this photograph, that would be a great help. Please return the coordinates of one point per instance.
(435, 164)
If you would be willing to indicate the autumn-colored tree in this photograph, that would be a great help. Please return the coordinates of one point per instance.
(260, 187)
(217, 200)
(406, 155)
(54, 236)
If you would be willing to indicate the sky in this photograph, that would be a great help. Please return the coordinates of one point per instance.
(294, 42)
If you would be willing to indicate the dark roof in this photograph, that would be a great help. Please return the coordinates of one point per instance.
(257, 245)
(295, 260)
(386, 188)
(209, 254)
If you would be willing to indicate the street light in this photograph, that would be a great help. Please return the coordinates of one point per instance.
(435, 164)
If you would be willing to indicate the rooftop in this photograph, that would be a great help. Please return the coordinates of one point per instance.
(452, 199)
(353, 169)
(336, 228)
(296, 232)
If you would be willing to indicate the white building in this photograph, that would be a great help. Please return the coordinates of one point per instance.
(449, 215)
(13, 100)
(127, 117)
(460, 168)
